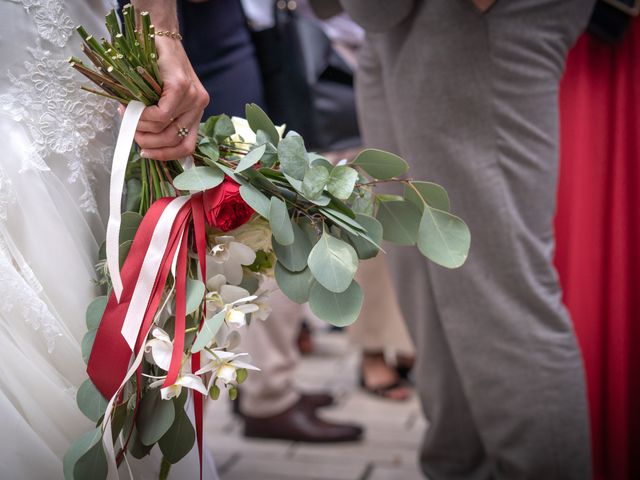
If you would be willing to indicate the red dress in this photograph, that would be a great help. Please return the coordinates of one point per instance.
(598, 238)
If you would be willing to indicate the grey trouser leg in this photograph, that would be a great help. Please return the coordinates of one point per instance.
(471, 102)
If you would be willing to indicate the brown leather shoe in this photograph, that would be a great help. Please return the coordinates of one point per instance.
(300, 424)
(312, 401)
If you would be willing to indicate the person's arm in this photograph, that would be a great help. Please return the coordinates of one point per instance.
(183, 97)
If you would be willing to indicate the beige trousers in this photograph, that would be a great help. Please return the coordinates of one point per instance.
(380, 326)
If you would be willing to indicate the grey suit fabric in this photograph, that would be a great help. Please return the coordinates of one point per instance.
(470, 100)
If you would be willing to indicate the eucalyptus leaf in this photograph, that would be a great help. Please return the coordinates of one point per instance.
(333, 263)
(379, 164)
(129, 223)
(223, 128)
(251, 158)
(81, 446)
(293, 156)
(294, 257)
(319, 161)
(90, 401)
(295, 285)
(363, 201)
(339, 309)
(95, 310)
(389, 197)
(155, 417)
(87, 344)
(280, 222)
(400, 221)
(258, 120)
(366, 248)
(198, 179)
(134, 191)
(256, 200)
(195, 293)
(208, 331)
(210, 150)
(443, 238)
(124, 251)
(179, 440)
(342, 181)
(430, 193)
(230, 173)
(341, 219)
(314, 181)
(118, 420)
(91, 465)
(136, 447)
(271, 153)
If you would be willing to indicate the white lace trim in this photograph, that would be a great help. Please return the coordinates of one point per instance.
(53, 24)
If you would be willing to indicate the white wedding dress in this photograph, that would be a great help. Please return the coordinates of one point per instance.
(56, 143)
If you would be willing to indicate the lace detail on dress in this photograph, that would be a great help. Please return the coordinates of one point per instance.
(62, 119)
(20, 290)
(52, 23)
(7, 195)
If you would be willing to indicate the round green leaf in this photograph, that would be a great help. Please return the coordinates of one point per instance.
(179, 440)
(93, 464)
(293, 156)
(443, 238)
(367, 247)
(339, 309)
(136, 447)
(81, 446)
(430, 193)
(90, 401)
(195, 293)
(124, 251)
(400, 221)
(198, 179)
(341, 182)
(258, 120)
(314, 181)
(251, 158)
(129, 223)
(155, 417)
(333, 263)
(87, 344)
(380, 164)
(294, 256)
(209, 329)
(256, 200)
(295, 285)
(95, 310)
(280, 222)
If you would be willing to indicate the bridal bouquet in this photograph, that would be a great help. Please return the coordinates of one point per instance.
(186, 263)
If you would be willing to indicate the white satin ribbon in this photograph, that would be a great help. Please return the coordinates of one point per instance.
(118, 169)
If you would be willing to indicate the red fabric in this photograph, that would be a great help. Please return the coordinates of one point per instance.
(598, 234)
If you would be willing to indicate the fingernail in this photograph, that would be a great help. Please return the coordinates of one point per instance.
(143, 153)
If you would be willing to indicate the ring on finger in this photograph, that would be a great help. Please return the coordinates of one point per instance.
(183, 132)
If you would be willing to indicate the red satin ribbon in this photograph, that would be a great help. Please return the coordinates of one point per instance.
(111, 355)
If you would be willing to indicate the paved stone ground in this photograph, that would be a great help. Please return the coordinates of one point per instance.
(388, 451)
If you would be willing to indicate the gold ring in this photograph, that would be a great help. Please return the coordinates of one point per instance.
(183, 132)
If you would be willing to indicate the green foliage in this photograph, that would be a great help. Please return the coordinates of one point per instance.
(87, 344)
(339, 309)
(294, 256)
(295, 285)
(293, 156)
(443, 238)
(315, 179)
(333, 263)
(199, 179)
(86, 459)
(367, 248)
(195, 294)
(179, 439)
(256, 200)
(380, 165)
(342, 181)
(208, 331)
(155, 417)
(258, 120)
(400, 221)
(280, 222)
(95, 310)
(427, 193)
(90, 401)
(129, 223)
(251, 158)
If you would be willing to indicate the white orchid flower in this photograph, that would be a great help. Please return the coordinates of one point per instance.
(235, 300)
(186, 380)
(224, 365)
(262, 302)
(159, 349)
(227, 258)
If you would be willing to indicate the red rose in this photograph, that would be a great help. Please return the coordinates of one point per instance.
(224, 207)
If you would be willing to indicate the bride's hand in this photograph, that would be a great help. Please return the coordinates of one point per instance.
(180, 108)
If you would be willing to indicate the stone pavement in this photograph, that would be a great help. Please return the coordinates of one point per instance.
(388, 451)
